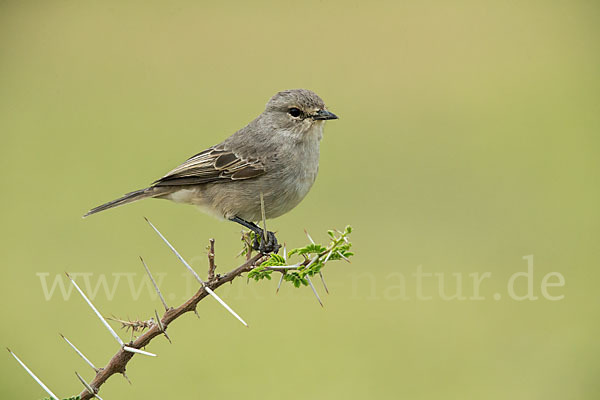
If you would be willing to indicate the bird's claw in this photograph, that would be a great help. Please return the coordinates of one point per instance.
(268, 245)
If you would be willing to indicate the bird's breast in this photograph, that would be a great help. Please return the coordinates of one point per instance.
(300, 171)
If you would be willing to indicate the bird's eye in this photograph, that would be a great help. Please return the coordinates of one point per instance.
(294, 112)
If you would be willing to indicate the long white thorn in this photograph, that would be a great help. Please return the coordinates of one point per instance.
(162, 299)
(209, 290)
(314, 290)
(328, 255)
(87, 386)
(111, 330)
(161, 326)
(308, 236)
(344, 257)
(213, 294)
(282, 267)
(80, 353)
(312, 261)
(323, 280)
(321, 273)
(35, 378)
(134, 350)
(279, 284)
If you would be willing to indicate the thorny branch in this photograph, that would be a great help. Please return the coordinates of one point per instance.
(119, 361)
(259, 266)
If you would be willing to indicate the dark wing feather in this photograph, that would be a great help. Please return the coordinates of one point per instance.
(212, 165)
(247, 173)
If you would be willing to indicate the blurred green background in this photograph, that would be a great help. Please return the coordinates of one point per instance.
(467, 139)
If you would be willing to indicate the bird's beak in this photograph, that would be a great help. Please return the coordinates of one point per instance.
(324, 115)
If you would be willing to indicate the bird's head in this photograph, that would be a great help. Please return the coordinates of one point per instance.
(298, 111)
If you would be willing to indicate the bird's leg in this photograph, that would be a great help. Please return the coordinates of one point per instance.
(268, 242)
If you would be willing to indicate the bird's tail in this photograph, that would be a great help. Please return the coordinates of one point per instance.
(128, 198)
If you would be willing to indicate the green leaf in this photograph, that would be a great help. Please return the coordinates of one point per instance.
(259, 273)
(296, 279)
(275, 260)
(309, 249)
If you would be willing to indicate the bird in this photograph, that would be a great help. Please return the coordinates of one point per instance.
(273, 161)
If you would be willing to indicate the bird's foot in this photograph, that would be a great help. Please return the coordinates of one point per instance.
(268, 245)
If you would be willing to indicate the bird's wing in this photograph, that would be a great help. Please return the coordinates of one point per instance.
(213, 165)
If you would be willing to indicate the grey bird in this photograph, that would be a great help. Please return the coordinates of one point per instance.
(276, 155)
